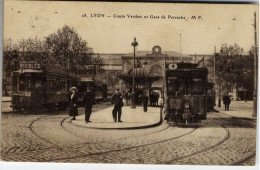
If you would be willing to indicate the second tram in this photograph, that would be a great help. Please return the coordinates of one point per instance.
(35, 87)
(186, 90)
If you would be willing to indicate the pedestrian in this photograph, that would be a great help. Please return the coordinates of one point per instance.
(161, 104)
(127, 97)
(117, 100)
(88, 101)
(152, 99)
(145, 101)
(156, 99)
(73, 103)
(226, 101)
(124, 97)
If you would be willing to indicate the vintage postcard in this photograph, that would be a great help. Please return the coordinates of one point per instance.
(129, 83)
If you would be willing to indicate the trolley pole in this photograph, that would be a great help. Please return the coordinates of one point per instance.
(134, 44)
(255, 71)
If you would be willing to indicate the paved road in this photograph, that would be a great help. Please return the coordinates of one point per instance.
(220, 140)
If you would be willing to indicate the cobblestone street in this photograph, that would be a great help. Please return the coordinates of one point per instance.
(222, 139)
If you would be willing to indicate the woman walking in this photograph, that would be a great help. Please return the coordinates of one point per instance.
(73, 103)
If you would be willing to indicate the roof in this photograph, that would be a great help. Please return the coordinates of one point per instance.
(167, 53)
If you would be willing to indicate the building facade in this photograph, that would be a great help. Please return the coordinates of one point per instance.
(147, 76)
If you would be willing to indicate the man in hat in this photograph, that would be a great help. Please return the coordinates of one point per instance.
(117, 100)
(88, 101)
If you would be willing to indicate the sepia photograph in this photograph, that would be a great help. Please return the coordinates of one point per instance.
(129, 83)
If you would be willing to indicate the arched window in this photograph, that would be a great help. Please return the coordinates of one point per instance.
(156, 70)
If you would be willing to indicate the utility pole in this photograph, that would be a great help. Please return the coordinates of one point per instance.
(180, 47)
(255, 71)
(215, 66)
(219, 82)
(215, 53)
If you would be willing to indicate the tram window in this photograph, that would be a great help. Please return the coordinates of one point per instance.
(15, 84)
(181, 88)
(22, 84)
(54, 85)
(38, 84)
(197, 88)
(58, 85)
(172, 85)
(51, 84)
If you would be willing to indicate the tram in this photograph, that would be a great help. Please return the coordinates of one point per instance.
(186, 93)
(98, 88)
(35, 86)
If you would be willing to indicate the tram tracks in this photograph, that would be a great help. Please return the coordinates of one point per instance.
(53, 145)
(123, 138)
(127, 148)
(227, 136)
(238, 162)
(225, 139)
(83, 155)
(109, 151)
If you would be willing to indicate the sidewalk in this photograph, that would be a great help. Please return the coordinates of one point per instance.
(239, 109)
(132, 119)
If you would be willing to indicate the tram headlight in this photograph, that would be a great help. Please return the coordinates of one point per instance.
(186, 105)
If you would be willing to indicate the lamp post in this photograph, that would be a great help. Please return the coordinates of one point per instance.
(134, 44)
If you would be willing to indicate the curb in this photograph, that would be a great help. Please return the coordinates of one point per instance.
(246, 118)
(123, 128)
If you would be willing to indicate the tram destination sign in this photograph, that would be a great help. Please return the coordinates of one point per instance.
(30, 65)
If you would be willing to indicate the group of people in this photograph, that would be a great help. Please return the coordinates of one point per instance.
(154, 97)
(87, 101)
(116, 100)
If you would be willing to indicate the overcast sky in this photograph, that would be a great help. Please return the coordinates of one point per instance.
(221, 23)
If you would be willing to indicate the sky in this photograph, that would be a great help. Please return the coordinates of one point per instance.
(219, 23)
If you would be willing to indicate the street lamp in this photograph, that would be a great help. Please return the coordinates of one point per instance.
(134, 44)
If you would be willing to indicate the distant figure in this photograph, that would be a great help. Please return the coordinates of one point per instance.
(88, 101)
(125, 98)
(152, 99)
(73, 103)
(161, 104)
(117, 100)
(226, 101)
(128, 97)
(156, 99)
(145, 101)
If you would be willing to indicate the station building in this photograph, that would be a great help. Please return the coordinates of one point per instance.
(149, 71)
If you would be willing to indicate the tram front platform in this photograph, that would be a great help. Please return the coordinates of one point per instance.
(132, 118)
